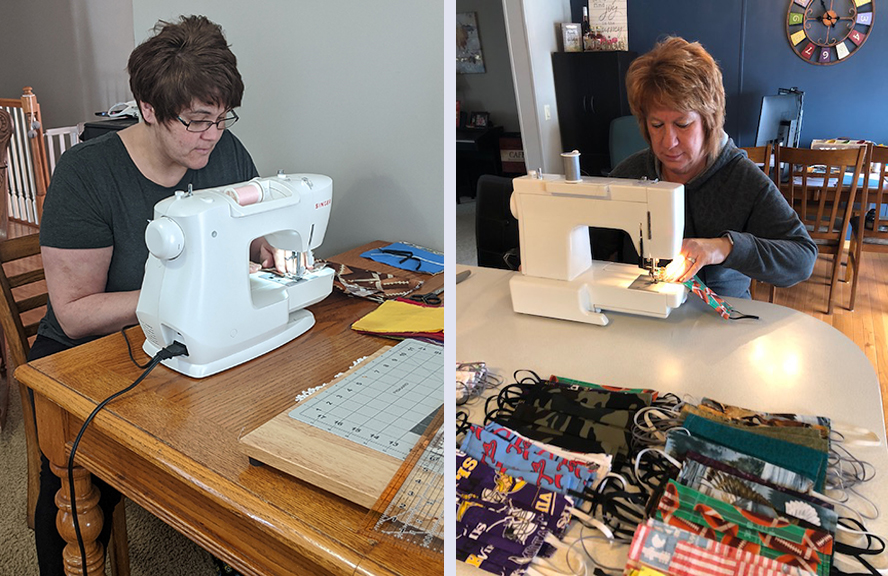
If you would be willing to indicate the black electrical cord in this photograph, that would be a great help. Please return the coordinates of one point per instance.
(129, 347)
(171, 351)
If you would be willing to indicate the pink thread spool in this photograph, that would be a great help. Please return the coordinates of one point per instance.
(246, 195)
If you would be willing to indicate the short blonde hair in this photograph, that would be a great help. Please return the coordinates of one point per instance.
(682, 76)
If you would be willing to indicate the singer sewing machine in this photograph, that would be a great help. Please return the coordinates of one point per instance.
(197, 289)
(559, 278)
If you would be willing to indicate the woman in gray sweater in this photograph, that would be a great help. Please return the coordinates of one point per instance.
(737, 224)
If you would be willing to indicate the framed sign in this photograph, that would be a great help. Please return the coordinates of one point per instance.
(609, 24)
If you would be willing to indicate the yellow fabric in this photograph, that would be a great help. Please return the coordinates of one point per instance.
(399, 317)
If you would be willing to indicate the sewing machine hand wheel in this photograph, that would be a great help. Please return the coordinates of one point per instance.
(164, 238)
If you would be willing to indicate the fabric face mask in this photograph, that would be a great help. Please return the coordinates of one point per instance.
(496, 488)
(488, 558)
(745, 416)
(801, 435)
(645, 394)
(570, 432)
(510, 530)
(559, 396)
(690, 510)
(758, 498)
(601, 463)
(806, 461)
(544, 470)
(679, 443)
(670, 550)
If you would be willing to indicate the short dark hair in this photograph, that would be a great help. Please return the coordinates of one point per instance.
(683, 76)
(185, 61)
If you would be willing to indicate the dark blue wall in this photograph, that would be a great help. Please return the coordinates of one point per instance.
(748, 39)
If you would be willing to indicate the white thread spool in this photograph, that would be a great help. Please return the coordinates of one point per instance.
(250, 193)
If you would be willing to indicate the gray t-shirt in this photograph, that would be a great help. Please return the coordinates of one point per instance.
(99, 198)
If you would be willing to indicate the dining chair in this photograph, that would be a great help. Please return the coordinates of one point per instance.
(763, 157)
(22, 305)
(869, 229)
(821, 186)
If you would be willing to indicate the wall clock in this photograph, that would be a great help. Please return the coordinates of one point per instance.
(828, 31)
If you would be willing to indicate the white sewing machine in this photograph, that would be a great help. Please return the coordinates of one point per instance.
(559, 279)
(197, 289)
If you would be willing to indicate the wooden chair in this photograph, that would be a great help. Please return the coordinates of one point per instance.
(821, 186)
(869, 230)
(761, 155)
(22, 305)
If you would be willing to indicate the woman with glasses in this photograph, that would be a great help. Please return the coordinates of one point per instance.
(102, 195)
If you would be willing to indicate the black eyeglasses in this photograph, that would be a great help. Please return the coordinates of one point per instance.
(204, 125)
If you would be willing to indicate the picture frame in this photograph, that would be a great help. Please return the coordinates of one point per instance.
(469, 59)
(572, 37)
(479, 119)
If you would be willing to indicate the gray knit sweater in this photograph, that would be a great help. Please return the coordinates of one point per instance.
(734, 197)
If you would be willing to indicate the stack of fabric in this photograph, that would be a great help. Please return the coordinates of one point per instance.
(401, 319)
(746, 499)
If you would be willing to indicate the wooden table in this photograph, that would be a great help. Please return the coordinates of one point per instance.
(171, 446)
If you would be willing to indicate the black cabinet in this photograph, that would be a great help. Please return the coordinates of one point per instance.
(590, 91)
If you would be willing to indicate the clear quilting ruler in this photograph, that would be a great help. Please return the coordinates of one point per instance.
(386, 403)
(410, 512)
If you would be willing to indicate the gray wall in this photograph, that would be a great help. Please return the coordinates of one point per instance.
(350, 89)
(493, 91)
(72, 52)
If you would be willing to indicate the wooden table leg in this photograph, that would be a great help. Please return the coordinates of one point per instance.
(89, 519)
(51, 431)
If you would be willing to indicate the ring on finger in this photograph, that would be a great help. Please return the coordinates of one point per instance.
(692, 261)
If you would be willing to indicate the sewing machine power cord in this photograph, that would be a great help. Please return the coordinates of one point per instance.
(171, 351)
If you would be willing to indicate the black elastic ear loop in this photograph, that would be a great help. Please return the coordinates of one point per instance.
(496, 413)
(857, 552)
(740, 316)
(659, 469)
(512, 395)
(462, 422)
(534, 378)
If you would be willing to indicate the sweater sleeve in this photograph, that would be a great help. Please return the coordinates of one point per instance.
(773, 246)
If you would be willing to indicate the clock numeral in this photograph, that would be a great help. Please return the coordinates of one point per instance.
(796, 18)
(797, 37)
(861, 2)
(808, 51)
(824, 55)
(856, 37)
(803, 3)
(842, 51)
(865, 18)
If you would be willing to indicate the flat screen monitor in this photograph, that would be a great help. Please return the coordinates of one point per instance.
(780, 120)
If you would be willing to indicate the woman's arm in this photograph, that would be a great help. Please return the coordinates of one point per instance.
(75, 280)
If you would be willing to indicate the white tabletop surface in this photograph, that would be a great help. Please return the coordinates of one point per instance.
(786, 361)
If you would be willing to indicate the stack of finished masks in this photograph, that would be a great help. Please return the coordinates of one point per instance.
(516, 497)
(746, 498)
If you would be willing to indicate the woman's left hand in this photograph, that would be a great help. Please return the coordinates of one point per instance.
(695, 254)
(264, 255)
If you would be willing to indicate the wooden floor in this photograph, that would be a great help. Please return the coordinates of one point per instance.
(866, 326)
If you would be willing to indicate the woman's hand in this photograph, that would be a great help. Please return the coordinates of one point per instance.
(264, 255)
(695, 254)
